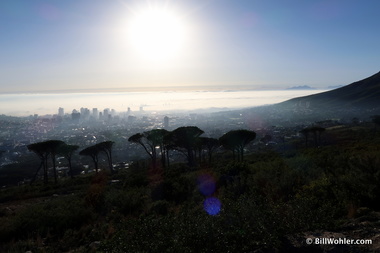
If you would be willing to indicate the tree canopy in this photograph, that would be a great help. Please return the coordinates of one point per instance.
(236, 140)
(185, 139)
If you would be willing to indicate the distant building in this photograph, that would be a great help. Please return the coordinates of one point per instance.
(166, 122)
(106, 112)
(95, 113)
(131, 119)
(61, 112)
(85, 113)
(75, 115)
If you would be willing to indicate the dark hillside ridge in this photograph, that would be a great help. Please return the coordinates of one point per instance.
(363, 94)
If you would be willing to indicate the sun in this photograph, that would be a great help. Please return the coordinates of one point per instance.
(157, 34)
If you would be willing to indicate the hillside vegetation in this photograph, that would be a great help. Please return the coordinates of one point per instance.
(267, 201)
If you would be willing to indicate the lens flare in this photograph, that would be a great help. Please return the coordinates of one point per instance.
(212, 205)
(206, 184)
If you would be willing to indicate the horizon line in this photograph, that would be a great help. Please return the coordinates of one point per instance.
(226, 88)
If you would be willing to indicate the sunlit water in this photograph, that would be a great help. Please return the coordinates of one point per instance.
(28, 104)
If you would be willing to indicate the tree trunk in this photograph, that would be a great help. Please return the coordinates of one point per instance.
(163, 157)
(167, 158)
(70, 168)
(46, 171)
(54, 169)
(109, 159)
(191, 158)
(111, 162)
(35, 175)
(154, 158)
(95, 159)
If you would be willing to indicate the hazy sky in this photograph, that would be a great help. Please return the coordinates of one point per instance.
(91, 44)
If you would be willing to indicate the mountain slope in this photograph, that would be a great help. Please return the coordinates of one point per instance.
(360, 94)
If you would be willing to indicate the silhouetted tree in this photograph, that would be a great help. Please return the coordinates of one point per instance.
(157, 138)
(305, 132)
(67, 151)
(53, 147)
(236, 140)
(211, 144)
(93, 152)
(168, 145)
(184, 139)
(141, 138)
(106, 148)
(151, 141)
(137, 138)
(43, 150)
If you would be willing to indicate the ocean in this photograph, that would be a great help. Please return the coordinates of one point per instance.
(41, 104)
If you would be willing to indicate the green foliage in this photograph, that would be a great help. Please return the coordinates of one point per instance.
(127, 202)
(53, 216)
(176, 186)
(160, 207)
(264, 199)
(354, 172)
(136, 176)
(244, 225)
(96, 191)
(322, 194)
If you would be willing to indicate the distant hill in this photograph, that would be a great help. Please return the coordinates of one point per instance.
(304, 87)
(363, 94)
(334, 87)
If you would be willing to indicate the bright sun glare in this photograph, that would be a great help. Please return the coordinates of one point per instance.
(157, 34)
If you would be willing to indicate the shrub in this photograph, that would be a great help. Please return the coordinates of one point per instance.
(53, 216)
(160, 207)
(127, 202)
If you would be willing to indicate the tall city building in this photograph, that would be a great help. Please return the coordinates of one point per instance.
(61, 112)
(95, 113)
(166, 122)
(85, 113)
(105, 113)
(75, 115)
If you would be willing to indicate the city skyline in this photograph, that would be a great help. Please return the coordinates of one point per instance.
(29, 104)
(69, 46)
